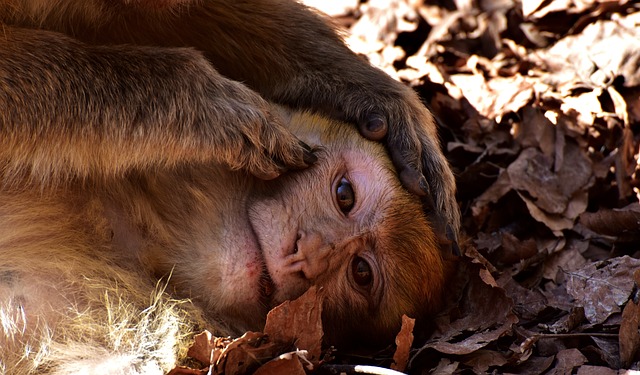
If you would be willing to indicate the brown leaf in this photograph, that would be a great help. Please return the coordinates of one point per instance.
(202, 347)
(536, 130)
(603, 49)
(551, 191)
(481, 360)
(245, 354)
(288, 363)
(487, 277)
(496, 97)
(612, 222)
(187, 371)
(568, 260)
(486, 315)
(445, 367)
(528, 303)
(555, 192)
(299, 322)
(566, 361)
(629, 337)
(404, 340)
(602, 287)
(596, 370)
(230, 357)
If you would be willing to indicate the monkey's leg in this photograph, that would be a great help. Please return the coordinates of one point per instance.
(69, 109)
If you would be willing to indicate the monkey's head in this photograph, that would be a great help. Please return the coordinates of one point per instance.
(347, 226)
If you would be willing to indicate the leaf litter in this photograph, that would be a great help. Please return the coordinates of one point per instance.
(538, 106)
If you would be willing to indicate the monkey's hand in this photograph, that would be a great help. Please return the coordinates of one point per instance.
(249, 133)
(74, 110)
(293, 57)
(392, 113)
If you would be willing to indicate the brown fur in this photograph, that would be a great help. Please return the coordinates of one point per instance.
(162, 54)
(132, 179)
(81, 263)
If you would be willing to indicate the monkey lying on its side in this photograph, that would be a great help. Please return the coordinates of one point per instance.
(137, 138)
(80, 263)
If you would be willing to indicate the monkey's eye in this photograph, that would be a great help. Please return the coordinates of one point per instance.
(361, 271)
(345, 195)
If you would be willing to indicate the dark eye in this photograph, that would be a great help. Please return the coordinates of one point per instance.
(361, 271)
(345, 196)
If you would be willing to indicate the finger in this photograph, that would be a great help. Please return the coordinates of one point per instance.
(410, 177)
(268, 175)
(308, 156)
(374, 127)
(451, 235)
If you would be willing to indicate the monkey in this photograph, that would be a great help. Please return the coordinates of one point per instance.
(125, 78)
(133, 133)
(110, 275)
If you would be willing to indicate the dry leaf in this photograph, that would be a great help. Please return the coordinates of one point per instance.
(404, 340)
(629, 336)
(482, 360)
(288, 363)
(202, 347)
(486, 316)
(601, 288)
(566, 361)
(299, 323)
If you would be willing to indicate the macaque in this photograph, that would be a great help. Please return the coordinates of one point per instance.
(127, 78)
(204, 245)
(166, 164)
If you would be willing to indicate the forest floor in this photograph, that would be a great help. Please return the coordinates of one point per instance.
(538, 104)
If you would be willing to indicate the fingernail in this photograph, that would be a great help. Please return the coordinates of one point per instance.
(375, 124)
(455, 249)
(305, 146)
(309, 157)
(424, 185)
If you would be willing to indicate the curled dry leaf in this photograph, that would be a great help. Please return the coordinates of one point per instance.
(292, 324)
(299, 323)
(404, 340)
(612, 222)
(203, 346)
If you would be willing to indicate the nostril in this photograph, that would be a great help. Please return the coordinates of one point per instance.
(295, 244)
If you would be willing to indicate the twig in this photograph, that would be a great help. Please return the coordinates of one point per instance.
(355, 369)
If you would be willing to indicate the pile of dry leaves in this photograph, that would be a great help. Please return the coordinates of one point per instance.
(539, 111)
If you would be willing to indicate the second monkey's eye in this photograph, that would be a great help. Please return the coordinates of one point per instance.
(361, 271)
(345, 195)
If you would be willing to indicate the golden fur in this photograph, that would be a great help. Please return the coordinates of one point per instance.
(94, 275)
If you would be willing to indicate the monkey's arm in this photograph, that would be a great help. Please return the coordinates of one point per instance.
(291, 56)
(68, 109)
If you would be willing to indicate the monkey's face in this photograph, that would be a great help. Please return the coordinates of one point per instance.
(347, 226)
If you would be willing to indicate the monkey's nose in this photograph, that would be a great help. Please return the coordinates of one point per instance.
(314, 253)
